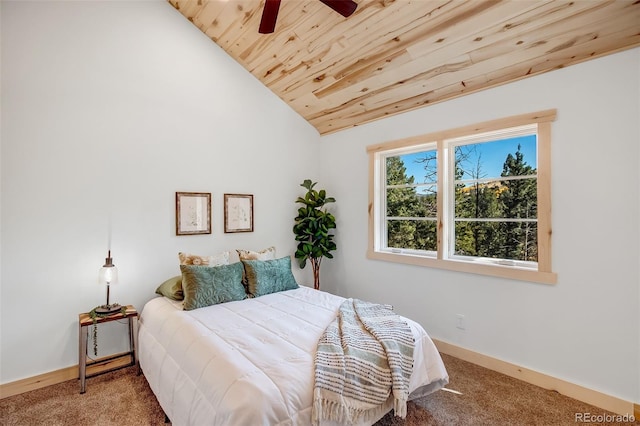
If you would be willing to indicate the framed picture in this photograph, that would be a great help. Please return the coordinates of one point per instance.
(238, 213)
(193, 213)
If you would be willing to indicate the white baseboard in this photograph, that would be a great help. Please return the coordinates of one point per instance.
(589, 396)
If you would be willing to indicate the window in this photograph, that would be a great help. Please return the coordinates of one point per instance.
(474, 199)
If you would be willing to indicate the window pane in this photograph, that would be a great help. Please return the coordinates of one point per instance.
(412, 202)
(412, 234)
(415, 168)
(478, 201)
(497, 240)
(511, 199)
(519, 198)
(428, 196)
(403, 202)
(493, 159)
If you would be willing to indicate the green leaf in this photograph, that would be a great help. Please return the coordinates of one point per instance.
(312, 225)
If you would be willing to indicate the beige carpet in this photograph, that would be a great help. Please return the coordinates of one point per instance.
(124, 398)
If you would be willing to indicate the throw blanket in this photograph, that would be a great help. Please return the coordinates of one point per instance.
(363, 365)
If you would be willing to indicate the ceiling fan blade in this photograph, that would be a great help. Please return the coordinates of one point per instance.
(269, 16)
(343, 7)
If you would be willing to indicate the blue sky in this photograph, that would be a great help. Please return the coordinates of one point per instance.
(492, 154)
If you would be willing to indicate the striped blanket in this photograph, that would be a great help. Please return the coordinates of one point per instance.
(363, 365)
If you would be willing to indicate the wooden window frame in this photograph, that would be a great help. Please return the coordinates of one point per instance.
(542, 274)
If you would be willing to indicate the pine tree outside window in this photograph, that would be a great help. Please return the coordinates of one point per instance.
(411, 205)
(474, 199)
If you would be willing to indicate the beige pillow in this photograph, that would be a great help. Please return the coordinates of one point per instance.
(217, 259)
(266, 254)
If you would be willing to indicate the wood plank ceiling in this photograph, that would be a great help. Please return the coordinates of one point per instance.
(395, 56)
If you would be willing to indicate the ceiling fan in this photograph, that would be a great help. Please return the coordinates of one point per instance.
(271, 8)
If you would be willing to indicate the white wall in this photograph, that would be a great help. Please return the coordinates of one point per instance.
(585, 329)
(108, 109)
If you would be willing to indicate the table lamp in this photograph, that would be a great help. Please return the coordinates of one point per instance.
(108, 275)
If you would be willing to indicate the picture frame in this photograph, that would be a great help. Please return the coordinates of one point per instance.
(193, 213)
(238, 213)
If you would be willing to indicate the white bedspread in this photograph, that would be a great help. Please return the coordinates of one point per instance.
(250, 362)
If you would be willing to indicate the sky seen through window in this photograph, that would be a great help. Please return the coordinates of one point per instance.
(492, 154)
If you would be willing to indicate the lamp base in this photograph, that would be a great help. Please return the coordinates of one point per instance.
(108, 309)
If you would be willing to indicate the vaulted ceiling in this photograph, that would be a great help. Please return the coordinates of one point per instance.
(392, 56)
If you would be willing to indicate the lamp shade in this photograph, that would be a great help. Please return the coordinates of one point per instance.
(108, 273)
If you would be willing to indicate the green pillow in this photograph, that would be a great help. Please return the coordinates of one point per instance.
(269, 276)
(171, 288)
(210, 285)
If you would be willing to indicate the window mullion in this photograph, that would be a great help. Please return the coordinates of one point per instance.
(451, 200)
(495, 220)
(496, 179)
(441, 199)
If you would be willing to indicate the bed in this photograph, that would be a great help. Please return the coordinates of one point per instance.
(250, 362)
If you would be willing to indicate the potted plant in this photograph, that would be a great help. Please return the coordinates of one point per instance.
(312, 229)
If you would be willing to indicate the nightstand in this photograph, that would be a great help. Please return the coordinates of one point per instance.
(85, 322)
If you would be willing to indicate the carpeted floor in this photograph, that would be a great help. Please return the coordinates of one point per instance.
(483, 397)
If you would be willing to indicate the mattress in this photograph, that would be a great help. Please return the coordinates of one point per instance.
(250, 362)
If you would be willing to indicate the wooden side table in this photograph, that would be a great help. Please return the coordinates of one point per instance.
(85, 322)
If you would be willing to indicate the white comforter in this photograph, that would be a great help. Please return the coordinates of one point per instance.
(250, 362)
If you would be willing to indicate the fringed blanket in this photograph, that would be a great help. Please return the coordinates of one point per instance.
(363, 365)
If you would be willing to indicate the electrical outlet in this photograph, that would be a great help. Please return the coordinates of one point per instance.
(460, 323)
